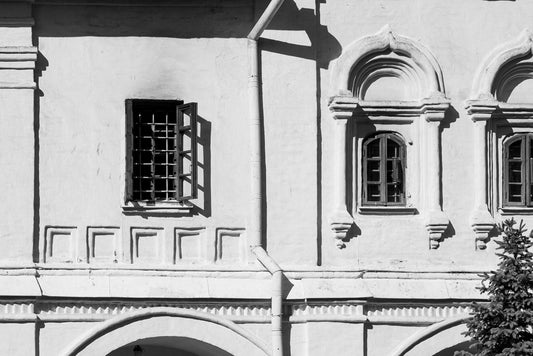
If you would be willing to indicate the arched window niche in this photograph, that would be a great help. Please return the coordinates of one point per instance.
(388, 83)
(501, 107)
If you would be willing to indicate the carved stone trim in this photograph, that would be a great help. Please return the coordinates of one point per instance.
(389, 54)
(482, 223)
(387, 40)
(437, 222)
(340, 221)
(19, 63)
(491, 78)
(297, 312)
(487, 72)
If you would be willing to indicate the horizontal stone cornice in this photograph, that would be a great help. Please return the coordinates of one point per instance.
(344, 107)
(238, 311)
(250, 284)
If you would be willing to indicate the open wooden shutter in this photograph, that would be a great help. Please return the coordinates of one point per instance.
(186, 152)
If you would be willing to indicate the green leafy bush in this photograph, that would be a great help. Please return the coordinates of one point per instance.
(503, 326)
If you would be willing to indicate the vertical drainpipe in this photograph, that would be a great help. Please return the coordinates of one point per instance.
(255, 228)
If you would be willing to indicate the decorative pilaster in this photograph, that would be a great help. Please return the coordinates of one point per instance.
(480, 111)
(17, 131)
(340, 220)
(436, 220)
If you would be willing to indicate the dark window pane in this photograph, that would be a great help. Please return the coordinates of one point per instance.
(515, 172)
(394, 171)
(160, 171)
(372, 168)
(393, 149)
(515, 149)
(372, 149)
(373, 192)
(515, 193)
(145, 131)
(394, 193)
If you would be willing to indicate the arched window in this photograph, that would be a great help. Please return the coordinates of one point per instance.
(518, 171)
(386, 83)
(384, 170)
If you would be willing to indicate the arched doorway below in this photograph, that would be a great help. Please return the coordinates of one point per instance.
(168, 346)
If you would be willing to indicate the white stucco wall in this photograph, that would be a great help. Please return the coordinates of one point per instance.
(63, 165)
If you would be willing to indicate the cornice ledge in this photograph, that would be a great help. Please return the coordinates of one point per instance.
(17, 21)
(434, 108)
(23, 57)
(481, 109)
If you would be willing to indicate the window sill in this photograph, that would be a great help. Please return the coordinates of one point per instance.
(387, 210)
(516, 210)
(159, 208)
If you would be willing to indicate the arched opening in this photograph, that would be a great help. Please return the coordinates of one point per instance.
(440, 339)
(158, 330)
(168, 346)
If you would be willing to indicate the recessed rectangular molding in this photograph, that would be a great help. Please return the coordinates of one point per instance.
(103, 244)
(230, 246)
(147, 245)
(59, 244)
(188, 245)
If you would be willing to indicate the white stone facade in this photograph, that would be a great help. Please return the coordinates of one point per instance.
(83, 271)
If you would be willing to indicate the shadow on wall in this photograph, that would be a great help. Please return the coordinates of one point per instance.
(324, 46)
(194, 19)
(161, 18)
(40, 67)
(323, 49)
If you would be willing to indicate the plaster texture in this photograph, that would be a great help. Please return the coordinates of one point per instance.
(82, 273)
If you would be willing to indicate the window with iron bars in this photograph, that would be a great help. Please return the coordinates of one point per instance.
(162, 151)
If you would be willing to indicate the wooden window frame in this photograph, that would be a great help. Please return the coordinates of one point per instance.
(526, 167)
(383, 137)
(182, 174)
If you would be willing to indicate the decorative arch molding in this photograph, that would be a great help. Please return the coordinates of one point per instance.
(420, 110)
(163, 321)
(428, 333)
(490, 71)
(500, 72)
(411, 57)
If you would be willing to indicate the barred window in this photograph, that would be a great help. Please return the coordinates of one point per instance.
(518, 171)
(383, 170)
(162, 162)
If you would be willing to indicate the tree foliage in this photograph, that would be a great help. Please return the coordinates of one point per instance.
(503, 326)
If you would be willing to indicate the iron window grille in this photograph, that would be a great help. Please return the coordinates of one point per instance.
(383, 170)
(162, 151)
(518, 171)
